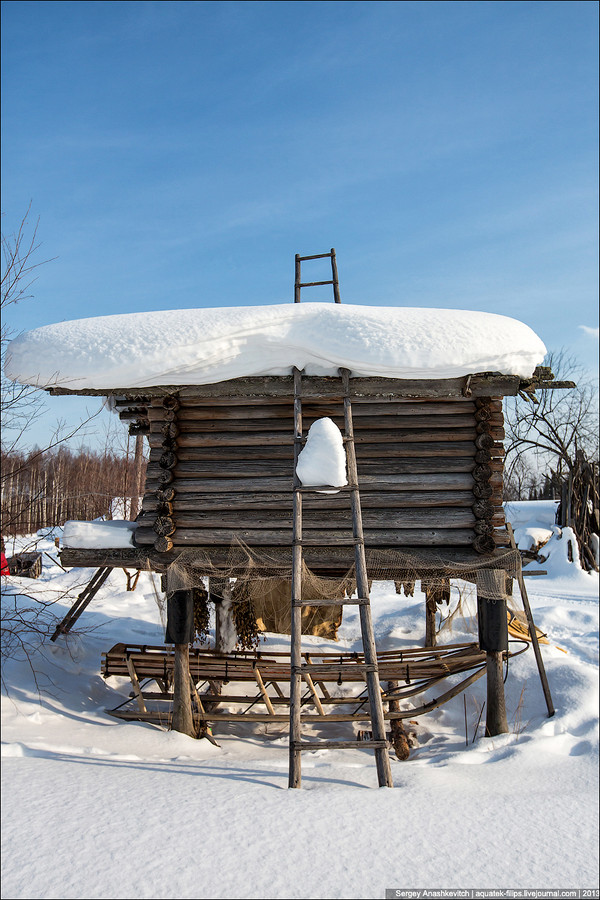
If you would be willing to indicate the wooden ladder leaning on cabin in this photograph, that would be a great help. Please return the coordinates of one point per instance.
(303, 672)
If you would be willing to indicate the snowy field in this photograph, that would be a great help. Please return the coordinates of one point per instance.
(94, 807)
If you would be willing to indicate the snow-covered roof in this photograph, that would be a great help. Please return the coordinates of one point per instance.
(205, 346)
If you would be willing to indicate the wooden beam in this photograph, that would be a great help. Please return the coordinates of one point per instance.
(480, 385)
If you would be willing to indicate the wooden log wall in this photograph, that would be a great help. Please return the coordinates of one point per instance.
(430, 473)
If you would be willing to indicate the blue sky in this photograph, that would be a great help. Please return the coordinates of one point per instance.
(178, 154)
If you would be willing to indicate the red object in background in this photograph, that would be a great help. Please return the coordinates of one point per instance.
(4, 567)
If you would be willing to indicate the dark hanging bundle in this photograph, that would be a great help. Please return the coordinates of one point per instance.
(246, 626)
(201, 615)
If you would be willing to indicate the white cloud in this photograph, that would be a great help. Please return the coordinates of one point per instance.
(593, 332)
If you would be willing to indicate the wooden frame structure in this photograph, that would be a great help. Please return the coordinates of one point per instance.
(427, 459)
(429, 456)
(430, 468)
(412, 671)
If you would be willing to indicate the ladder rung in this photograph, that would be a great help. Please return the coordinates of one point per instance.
(316, 256)
(333, 668)
(307, 489)
(338, 542)
(314, 283)
(337, 745)
(357, 601)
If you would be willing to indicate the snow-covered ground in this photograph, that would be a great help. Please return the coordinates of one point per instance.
(100, 808)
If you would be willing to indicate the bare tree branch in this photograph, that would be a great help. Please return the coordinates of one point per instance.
(549, 434)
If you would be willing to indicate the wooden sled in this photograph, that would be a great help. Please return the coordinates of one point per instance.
(255, 686)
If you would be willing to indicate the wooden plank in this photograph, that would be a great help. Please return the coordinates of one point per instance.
(427, 450)
(128, 558)
(209, 537)
(262, 387)
(136, 684)
(360, 387)
(251, 425)
(269, 439)
(373, 416)
(189, 502)
(327, 561)
(277, 474)
(316, 699)
(231, 412)
(263, 691)
(442, 517)
(315, 405)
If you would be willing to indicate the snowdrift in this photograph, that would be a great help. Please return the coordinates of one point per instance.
(204, 346)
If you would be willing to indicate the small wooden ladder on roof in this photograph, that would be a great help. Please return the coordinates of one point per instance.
(299, 284)
(304, 671)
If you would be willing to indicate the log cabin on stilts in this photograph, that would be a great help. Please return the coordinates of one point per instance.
(225, 397)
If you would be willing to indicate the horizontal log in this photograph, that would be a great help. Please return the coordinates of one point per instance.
(163, 544)
(386, 424)
(364, 452)
(189, 502)
(360, 387)
(167, 459)
(131, 401)
(339, 519)
(197, 537)
(210, 410)
(283, 399)
(259, 485)
(122, 558)
(327, 561)
(248, 424)
(261, 387)
(361, 436)
(164, 526)
(229, 468)
(128, 415)
(284, 438)
(168, 494)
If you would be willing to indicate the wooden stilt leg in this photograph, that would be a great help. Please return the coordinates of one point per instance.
(496, 722)
(493, 638)
(182, 700)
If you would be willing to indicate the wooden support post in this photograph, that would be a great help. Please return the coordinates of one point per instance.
(83, 600)
(493, 638)
(136, 685)
(295, 764)
(496, 722)
(180, 632)
(316, 699)
(263, 691)
(430, 611)
(398, 732)
(183, 719)
(532, 630)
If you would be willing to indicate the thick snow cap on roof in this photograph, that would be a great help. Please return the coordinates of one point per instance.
(205, 346)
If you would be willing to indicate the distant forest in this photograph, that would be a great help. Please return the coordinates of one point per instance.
(45, 488)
